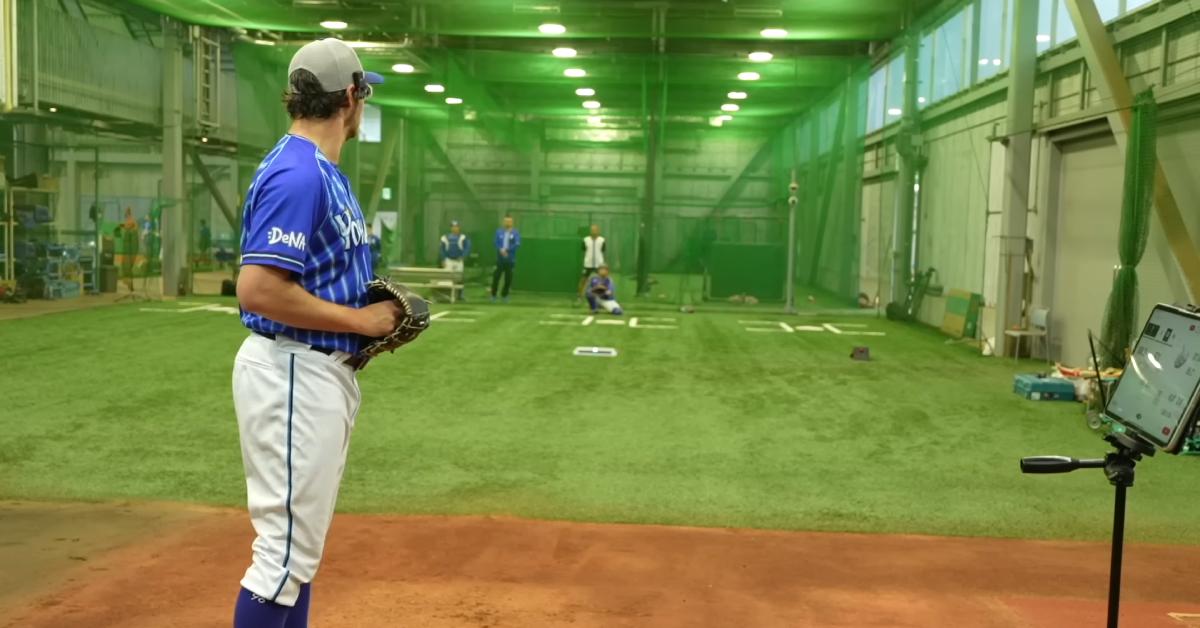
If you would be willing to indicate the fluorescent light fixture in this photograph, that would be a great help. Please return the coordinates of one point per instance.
(451, 100)
(736, 95)
(585, 91)
(748, 76)
(204, 139)
(434, 88)
(983, 62)
(773, 33)
(725, 117)
(996, 62)
(717, 121)
(334, 25)
(574, 73)
(895, 111)
(564, 53)
(761, 56)
(729, 107)
(591, 104)
(54, 110)
(920, 100)
(595, 120)
(403, 68)
(1043, 38)
(552, 29)
(264, 42)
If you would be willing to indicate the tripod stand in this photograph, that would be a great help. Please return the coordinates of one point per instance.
(1118, 467)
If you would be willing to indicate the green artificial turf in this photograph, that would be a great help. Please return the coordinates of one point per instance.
(705, 425)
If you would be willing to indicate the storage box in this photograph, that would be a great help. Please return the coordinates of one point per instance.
(1037, 388)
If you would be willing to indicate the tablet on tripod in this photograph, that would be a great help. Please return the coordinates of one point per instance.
(1158, 395)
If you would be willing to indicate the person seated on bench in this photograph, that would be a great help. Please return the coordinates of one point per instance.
(602, 293)
(454, 248)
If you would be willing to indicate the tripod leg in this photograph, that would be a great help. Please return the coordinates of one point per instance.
(1118, 548)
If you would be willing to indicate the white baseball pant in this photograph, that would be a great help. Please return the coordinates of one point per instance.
(295, 409)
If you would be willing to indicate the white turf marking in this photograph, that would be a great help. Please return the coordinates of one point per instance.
(559, 323)
(209, 307)
(658, 319)
(756, 322)
(852, 325)
(457, 320)
(807, 328)
(644, 326)
(865, 333)
(575, 316)
(610, 322)
(765, 330)
(832, 328)
(588, 321)
(786, 327)
(637, 323)
(434, 317)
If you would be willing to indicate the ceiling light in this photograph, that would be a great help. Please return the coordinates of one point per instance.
(996, 62)
(748, 76)
(403, 68)
(736, 95)
(334, 25)
(983, 62)
(585, 91)
(894, 111)
(717, 121)
(761, 56)
(204, 139)
(264, 42)
(552, 29)
(54, 110)
(453, 101)
(595, 120)
(921, 100)
(1043, 38)
(773, 33)
(434, 88)
(574, 73)
(564, 53)
(725, 118)
(591, 104)
(729, 107)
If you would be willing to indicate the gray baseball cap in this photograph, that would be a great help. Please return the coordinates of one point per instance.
(333, 62)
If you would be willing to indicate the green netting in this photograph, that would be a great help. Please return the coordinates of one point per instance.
(1121, 315)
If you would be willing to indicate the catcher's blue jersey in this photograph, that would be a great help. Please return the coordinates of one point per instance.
(301, 216)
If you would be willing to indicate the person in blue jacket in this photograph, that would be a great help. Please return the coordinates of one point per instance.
(508, 240)
(602, 293)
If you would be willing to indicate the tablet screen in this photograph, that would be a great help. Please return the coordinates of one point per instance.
(1154, 395)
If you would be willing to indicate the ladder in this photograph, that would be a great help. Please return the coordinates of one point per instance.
(208, 87)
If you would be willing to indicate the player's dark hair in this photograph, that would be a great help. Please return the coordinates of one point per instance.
(306, 99)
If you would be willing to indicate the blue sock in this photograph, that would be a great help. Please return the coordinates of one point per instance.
(255, 611)
(298, 618)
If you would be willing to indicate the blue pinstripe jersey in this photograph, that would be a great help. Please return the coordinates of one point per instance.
(301, 216)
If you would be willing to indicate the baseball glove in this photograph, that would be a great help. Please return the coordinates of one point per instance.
(413, 320)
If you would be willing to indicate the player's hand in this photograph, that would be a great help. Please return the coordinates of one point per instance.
(504, 252)
(379, 319)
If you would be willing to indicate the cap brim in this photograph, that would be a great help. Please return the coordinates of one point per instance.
(373, 78)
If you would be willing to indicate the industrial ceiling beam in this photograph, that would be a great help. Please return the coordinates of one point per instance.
(440, 153)
(735, 186)
(1106, 70)
(211, 184)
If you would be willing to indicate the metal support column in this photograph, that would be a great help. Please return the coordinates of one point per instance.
(792, 203)
(174, 217)
(1022, 76)
(908, 152)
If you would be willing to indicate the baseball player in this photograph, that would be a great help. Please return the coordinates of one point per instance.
(454, 248)
(508, 240)
(594, 248)
(602, 293)
(302, 290)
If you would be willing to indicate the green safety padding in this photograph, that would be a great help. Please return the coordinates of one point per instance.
(548, 265)
(756, 270)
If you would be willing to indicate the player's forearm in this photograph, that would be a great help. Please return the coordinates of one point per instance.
(271, 293)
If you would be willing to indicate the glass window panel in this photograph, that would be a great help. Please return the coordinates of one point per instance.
(991, 38)
(895, 90)
(1133, 5)
(1109, 9)
(924, 71)
(949, 57)
(1045, 17)
(1065, 30)
(876, 92)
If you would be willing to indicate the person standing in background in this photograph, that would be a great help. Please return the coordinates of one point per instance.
(453, 250)
(205, 242)
(508, 240)
(376, 246)
(594, 248)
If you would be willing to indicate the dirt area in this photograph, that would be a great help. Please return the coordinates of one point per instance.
(87, 566)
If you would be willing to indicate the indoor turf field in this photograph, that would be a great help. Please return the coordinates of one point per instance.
(697, 422)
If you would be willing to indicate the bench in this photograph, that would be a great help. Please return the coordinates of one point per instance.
(436, 279)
